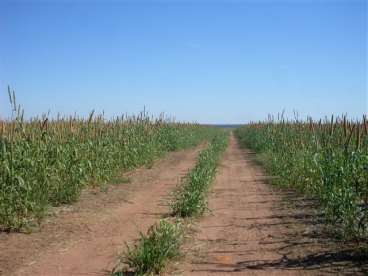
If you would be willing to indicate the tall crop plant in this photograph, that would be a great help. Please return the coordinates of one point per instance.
(326, 159)
(47, 161)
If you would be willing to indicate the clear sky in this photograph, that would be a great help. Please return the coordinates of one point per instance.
(205, 61)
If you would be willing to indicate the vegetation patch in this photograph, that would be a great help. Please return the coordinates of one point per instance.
(154, 249)
(327, 160)
(191, 197)
(45, 161)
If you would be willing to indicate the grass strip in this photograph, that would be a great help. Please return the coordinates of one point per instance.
(191, 197)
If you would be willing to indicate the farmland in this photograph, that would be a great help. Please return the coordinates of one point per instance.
(146, 191)
(47, 162)
(142, 138)
(327, 160)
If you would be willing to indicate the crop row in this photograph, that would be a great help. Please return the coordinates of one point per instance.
(325, 159)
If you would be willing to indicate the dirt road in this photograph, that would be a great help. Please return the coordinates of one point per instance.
(86, 238)
(255, 228)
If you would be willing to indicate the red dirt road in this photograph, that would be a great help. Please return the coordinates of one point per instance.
(256, 229)
(86, 238)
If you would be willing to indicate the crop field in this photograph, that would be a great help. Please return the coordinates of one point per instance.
(140, 138)
(47, 162)
(189, 185)
(327, 160)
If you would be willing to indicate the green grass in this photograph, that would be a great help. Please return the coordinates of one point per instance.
(191, 197)
(326, 160)
(154, 250)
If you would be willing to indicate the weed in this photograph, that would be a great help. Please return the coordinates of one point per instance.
(160, 244)
(190, 197)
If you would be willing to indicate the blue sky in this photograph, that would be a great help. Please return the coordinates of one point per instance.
(204, 61)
